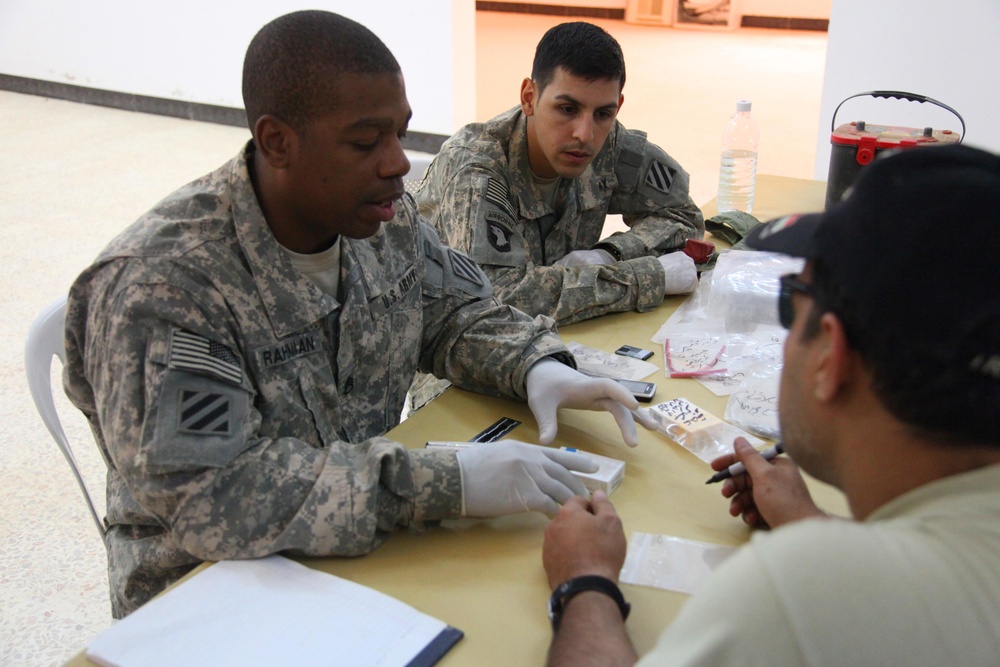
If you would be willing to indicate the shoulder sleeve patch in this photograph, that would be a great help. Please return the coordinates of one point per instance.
(497, 194)
(494, 235)
(191, 352)
(466, 268)
(200, 422)
(204, 412)
(659, 176)
(498, 235)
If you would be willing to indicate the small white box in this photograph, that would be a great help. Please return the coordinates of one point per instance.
(448, 444)
(608, 476)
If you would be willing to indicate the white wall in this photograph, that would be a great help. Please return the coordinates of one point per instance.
(192, 50)
(945, 51)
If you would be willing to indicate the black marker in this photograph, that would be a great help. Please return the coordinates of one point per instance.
(739, 468)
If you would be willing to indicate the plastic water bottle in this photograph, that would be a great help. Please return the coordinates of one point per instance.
(738, 166)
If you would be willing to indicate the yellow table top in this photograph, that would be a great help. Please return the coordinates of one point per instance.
(485, 577)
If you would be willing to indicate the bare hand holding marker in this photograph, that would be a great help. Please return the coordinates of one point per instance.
(739, 469)
(766, 493)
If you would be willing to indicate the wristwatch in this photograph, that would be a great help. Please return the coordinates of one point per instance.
(566, 590)
(611, 250)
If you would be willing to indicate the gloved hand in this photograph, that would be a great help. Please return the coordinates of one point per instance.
(585, 258)
(507, 477)
(552, 385)
(644, 417)
(680, 275)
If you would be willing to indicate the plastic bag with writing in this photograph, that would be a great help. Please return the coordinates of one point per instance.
(696, 430)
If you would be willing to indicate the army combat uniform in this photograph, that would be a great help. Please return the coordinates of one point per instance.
(240, 409)
(479, 194)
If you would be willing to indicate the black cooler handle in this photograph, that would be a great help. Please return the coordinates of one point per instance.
(900, 95)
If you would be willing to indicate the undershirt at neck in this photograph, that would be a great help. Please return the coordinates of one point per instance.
(548, 187)
(321, 268)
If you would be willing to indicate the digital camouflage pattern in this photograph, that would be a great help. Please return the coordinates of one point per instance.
(241, 410)
(479, 195)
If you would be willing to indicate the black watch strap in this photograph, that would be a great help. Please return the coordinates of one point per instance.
(611, 250)
(566, 590)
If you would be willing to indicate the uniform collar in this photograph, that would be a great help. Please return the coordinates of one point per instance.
(292, 302)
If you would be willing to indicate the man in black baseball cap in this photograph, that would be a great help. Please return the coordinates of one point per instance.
(913, 250)
(890, 391)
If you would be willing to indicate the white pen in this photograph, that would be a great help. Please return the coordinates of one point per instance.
(739, 468)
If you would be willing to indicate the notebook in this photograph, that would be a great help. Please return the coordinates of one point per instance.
(272, 611)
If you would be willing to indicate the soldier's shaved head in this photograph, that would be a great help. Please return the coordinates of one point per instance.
(293, 61)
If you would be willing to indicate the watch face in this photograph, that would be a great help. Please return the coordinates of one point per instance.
(555, 604)
(578, 585)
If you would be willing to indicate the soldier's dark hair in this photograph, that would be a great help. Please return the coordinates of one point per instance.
(582, 49)
(938, 400)
(293, 60)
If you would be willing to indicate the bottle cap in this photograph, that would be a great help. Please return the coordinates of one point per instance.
(743, 105)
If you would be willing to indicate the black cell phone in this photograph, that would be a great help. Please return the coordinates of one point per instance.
(643, 391)
(637, 352)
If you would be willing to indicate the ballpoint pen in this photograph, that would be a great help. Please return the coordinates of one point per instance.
(739, 468)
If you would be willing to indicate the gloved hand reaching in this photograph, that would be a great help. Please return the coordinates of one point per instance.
(585, 258)
(507, 477)
(680, 276)
(552, 385)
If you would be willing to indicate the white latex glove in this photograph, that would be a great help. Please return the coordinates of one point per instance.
(507, 477)
(585, 258)
(552, 385)
(643, 416)
(680, 275)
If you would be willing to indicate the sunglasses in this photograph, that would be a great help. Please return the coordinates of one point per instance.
(789, 285)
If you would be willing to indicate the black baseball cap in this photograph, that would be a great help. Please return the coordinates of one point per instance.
(915, 248)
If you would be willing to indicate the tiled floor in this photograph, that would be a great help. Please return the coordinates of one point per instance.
(73, 175)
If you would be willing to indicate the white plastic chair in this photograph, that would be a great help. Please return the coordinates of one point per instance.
(45, 341)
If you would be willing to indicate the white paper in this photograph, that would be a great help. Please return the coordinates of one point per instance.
(754, 404)
(672, 563)
(270, 611)
(690, 356)
(745, 356)
(592, 361)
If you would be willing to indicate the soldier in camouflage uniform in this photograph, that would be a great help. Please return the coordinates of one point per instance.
(239, 401)
(526, 193)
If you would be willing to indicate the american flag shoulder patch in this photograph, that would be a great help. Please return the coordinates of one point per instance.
(659, 176)
(465, 267)
(204, 413)
(496, 193)
(189, 351)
